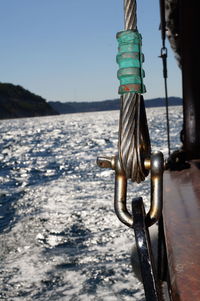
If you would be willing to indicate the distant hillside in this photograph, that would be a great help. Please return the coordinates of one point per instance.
(160, 102)
(16, 102)
(106, 105)
(78, 107)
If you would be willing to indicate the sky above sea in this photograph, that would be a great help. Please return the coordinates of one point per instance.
(65, 50)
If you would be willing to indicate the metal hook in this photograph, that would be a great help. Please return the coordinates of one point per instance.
(156, 165)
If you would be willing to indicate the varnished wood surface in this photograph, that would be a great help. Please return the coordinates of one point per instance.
(182, 230)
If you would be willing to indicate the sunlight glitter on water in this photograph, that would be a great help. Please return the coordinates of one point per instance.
(60, 238)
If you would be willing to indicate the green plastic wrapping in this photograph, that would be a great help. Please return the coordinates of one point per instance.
(130, 59)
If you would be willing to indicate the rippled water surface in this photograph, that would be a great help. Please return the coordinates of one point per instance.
(59, 236)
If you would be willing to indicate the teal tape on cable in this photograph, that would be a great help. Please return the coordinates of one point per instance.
(130, 59)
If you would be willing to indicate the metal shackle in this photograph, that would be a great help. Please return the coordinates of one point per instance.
(156, 165)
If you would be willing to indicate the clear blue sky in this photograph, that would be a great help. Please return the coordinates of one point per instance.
(65, 49)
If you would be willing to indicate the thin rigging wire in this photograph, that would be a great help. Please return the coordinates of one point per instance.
(163, 56)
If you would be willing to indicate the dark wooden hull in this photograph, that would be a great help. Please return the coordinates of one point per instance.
(181, 213)
(181, 216)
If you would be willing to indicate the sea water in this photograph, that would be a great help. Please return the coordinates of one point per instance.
(59, 236)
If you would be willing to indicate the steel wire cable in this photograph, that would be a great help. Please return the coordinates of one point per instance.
(130, 14)
(134, 142)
